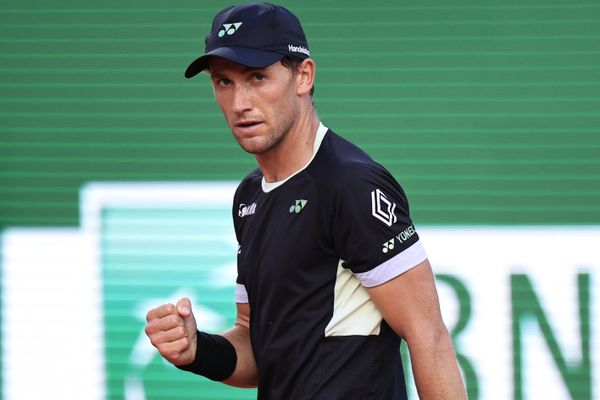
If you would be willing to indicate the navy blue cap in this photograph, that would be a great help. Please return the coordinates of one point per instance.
(252, 34)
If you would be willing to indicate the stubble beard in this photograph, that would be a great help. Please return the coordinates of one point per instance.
(262, 145)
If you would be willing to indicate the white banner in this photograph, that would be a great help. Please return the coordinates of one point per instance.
(523, 302)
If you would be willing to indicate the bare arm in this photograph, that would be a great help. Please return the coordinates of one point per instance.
(172, 330)
(246, 372)
(410, 305)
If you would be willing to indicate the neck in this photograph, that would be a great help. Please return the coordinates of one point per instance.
(293, 152)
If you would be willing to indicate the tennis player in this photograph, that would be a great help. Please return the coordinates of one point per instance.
(331, 272)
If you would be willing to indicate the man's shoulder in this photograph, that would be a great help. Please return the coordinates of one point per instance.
(251, 179)
(341, 149)
(343, 162)
(254, 175)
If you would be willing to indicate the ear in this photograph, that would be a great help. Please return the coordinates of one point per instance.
(306, 77)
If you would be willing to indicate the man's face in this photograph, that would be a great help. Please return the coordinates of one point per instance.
(259, 104)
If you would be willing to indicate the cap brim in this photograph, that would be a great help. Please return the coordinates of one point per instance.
(253, 58)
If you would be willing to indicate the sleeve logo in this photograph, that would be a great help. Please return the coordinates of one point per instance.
(389, 245)
(382, 208)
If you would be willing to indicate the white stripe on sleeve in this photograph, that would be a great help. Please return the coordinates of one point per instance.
(393, 267)
(241, 295)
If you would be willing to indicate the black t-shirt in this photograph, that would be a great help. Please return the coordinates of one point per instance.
(308, 247)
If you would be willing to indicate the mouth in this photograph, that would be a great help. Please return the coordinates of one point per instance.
(247, 126)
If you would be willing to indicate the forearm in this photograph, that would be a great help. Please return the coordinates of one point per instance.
(245, 373)
(227, 357)
(435, 369)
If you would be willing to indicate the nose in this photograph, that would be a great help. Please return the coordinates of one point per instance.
(241, 100)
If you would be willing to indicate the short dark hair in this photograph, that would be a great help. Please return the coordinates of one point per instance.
(293, 64)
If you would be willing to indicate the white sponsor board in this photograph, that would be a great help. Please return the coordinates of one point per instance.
(490, 262)
(505, 288)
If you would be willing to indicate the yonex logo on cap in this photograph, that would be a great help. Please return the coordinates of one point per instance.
(268, 32)
(298, 49)
(229, 29)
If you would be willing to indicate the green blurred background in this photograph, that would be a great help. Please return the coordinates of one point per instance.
(487, 112)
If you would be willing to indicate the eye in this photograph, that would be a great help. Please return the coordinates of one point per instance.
(258, 76)
(219, 80)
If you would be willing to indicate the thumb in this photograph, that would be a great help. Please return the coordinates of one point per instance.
(184, 307)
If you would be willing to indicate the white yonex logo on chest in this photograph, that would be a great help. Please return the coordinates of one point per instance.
(382, 208)
(298, 206)
(244, 210)
(229, 29)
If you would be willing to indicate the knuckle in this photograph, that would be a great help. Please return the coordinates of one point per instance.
(155, 343)
(148, 331)
(180, 331)
(154, 339)
(174, 320)
(162, 350)
(170, 308)
(166, 351)
(181, 345)
(185, 343)
(175, 357)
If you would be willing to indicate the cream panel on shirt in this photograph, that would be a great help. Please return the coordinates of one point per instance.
(353, 310)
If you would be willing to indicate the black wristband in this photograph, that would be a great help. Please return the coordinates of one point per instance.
(215, 357)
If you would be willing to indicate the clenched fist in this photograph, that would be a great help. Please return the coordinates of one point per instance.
(172, 330)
